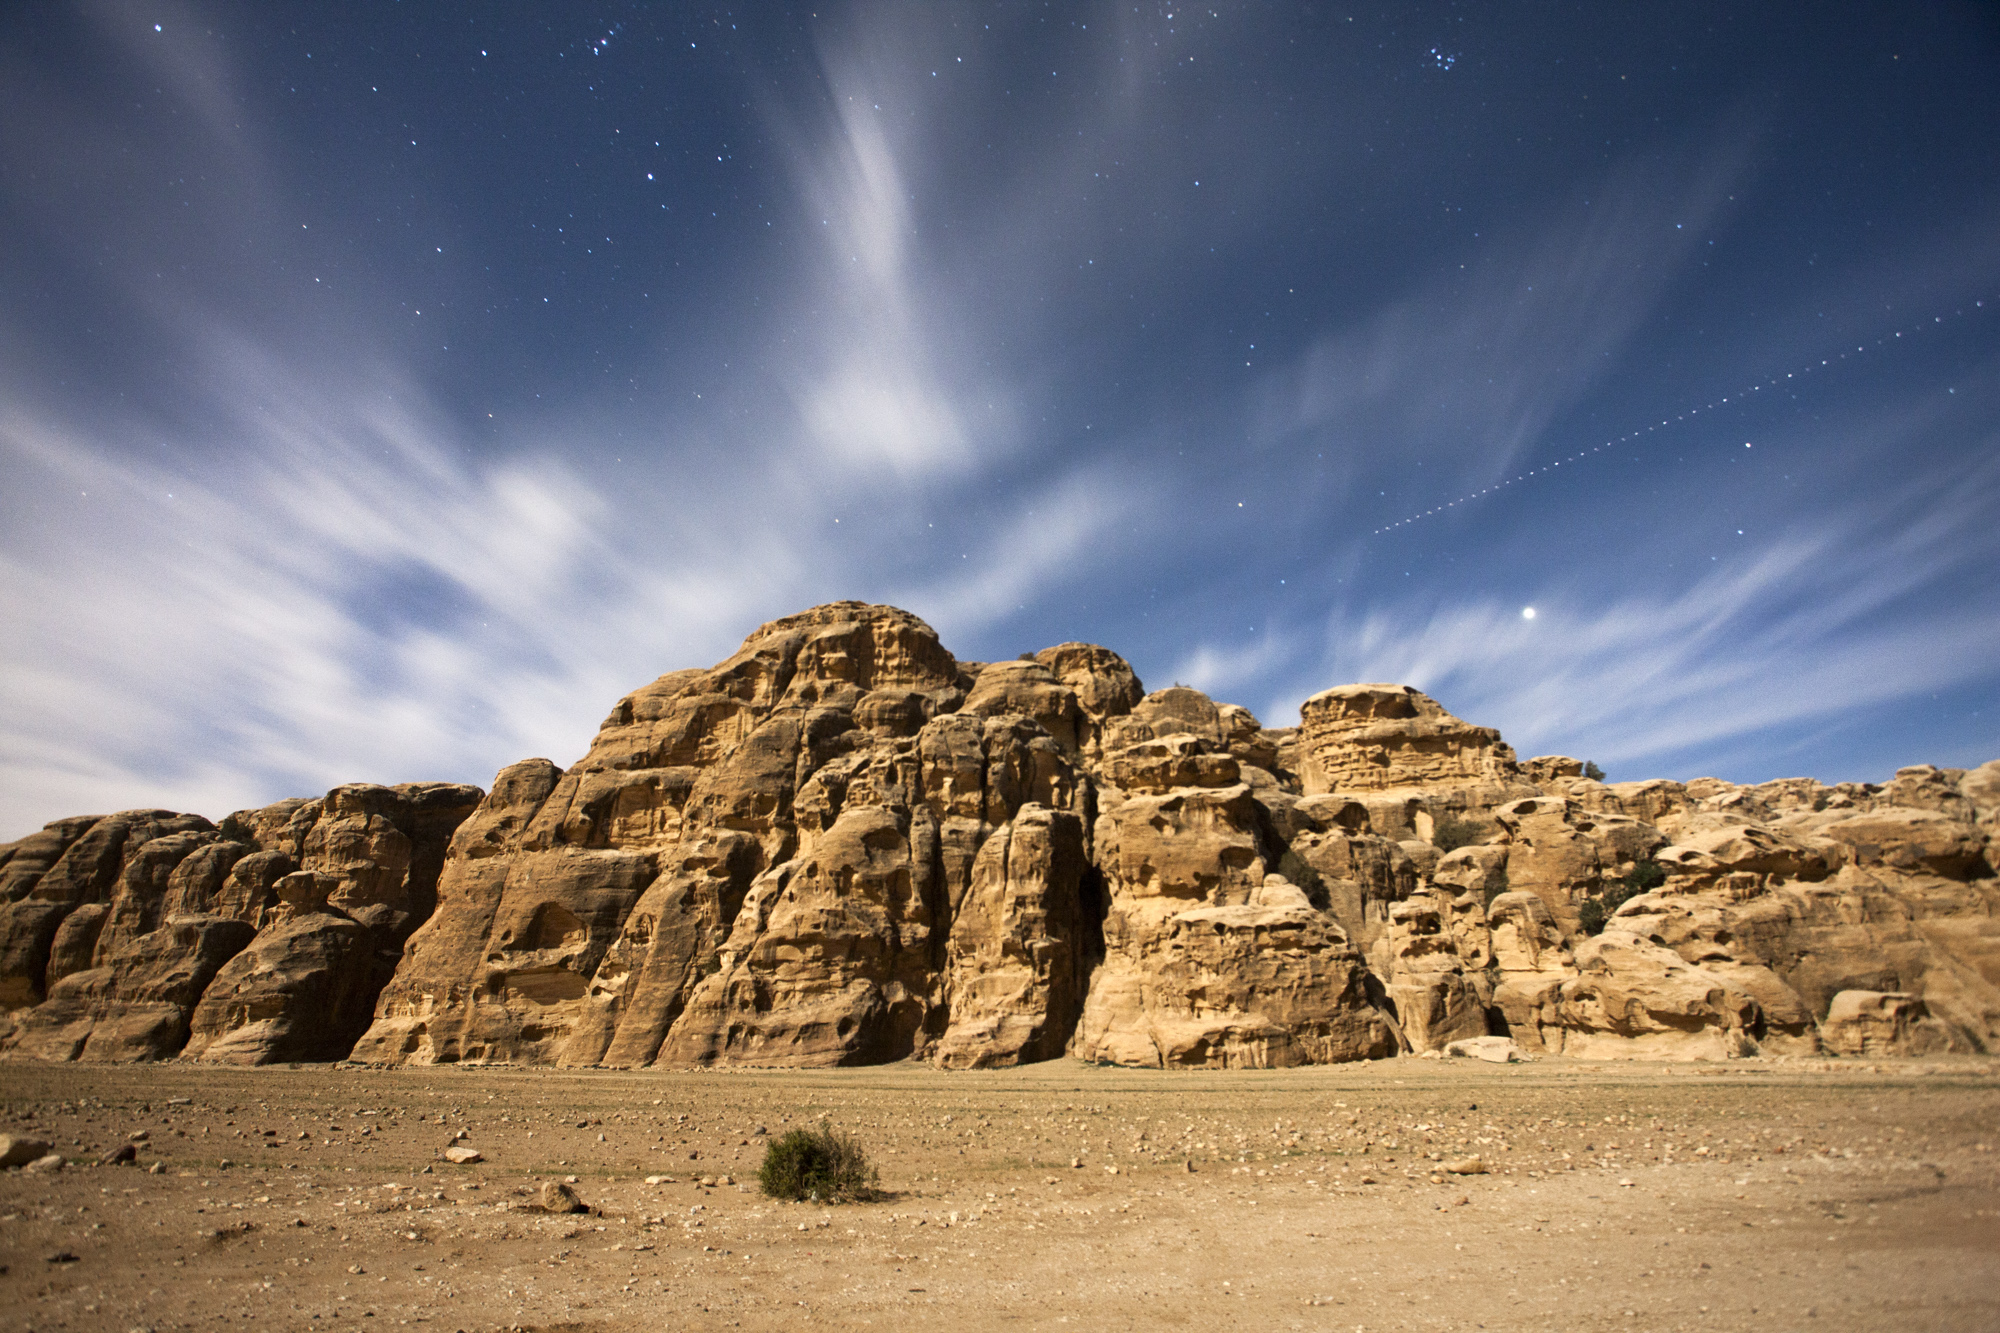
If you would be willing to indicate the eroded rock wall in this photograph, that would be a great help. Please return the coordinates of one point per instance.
(842, 845)
(148, 934)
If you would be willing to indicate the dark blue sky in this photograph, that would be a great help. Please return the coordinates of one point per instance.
(386, 388)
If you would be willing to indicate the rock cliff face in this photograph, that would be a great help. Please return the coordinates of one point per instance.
(146, 934)
(843, 846)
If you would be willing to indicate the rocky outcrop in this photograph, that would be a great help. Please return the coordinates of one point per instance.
(789, 859)
(1357, 738)
(841, 845)
(146, 934)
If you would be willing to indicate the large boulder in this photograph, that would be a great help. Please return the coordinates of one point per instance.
(1866, 1022)
(302, 989)
(1262, 983)
(1531, 961)
(90, 869)
(1632, 999)
(1565, 853)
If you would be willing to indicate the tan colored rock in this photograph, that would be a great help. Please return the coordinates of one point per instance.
(17, 1150)
(137, 1008)
(443, 962)
(1377, 737)
(1745, 856)
(798, 826)
(1210, 960)
(1552, 772)
(1434, 1000)
(1493, 1050)
(842, 845)
(1018, 948)
(1654, 801)
(556, 1197)
(1862, 1022)
(1530, 963)
(1916, 840)
(1564, 853)
(303, 990)
(1715, 933)
(829, 961)
(150, 906)
(1150, 767)
(1928, 787)
(75, 942)
(1632, 999)
(1795, 944)
(23, 863)
(89, 869)
(1181, 711)
(1354, 874)
(1031, 690)
(834, 957)
(1981, 788)
(1478, 869)
(1262, 984)
(1104, 683)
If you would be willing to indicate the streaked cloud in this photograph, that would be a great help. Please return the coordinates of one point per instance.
(1128, 327)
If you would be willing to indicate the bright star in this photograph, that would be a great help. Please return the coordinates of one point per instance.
(1527, 613)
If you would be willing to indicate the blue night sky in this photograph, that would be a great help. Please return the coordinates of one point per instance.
(387, 388)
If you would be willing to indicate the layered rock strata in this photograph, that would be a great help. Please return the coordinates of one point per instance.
(843, 846)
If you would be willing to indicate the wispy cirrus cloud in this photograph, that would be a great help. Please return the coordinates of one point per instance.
(985, 365)
(337, 598)
(1468, 370)
(1852, 612)
(881, 384)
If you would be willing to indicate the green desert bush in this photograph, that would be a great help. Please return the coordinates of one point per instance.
(819, 1164)
(1452, 833)
(1593, 913)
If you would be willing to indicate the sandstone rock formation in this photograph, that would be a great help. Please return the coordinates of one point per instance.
(841, 845)
(141, 935)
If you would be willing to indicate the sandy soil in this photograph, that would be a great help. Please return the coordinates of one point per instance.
(1753, 1195)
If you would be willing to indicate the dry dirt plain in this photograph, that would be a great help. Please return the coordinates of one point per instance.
(1752, 1195)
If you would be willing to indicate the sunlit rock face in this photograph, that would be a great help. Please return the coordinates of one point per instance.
(841, 845)
(788, 859)
(149, 934)
(1379, 737)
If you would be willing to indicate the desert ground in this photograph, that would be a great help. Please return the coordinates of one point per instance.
(1754, 1194)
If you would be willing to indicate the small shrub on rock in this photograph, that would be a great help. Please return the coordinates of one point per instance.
(1453, 833)
(1594, 913)
(819, 1164)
